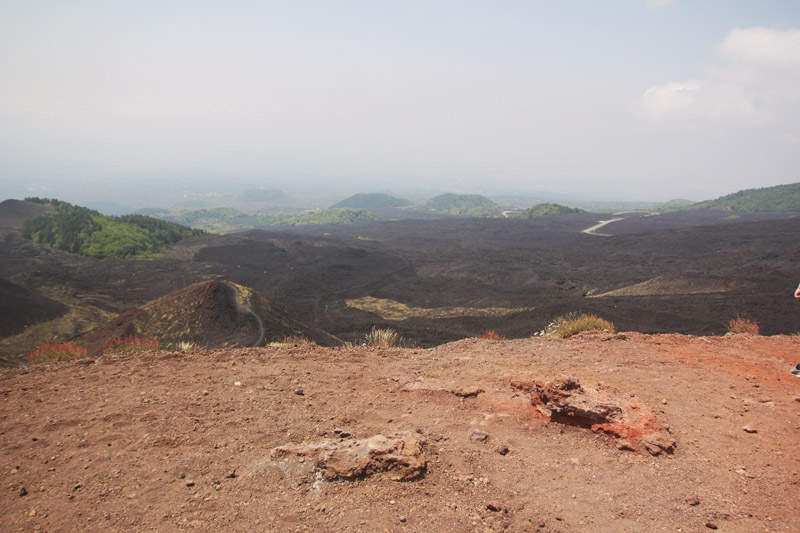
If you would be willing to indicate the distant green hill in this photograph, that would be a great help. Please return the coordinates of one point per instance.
(677, 204)
(471, 205)
(777, 198)
(267, 196)
(209, 217)
(372, 201)
(83, 231)
(319, 217)
(547, 209)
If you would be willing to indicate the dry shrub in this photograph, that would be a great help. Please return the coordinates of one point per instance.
(55, 350)
(383, 337)
(292, 340)
(130, 344)
(743, 325)
(572, 323)
(492, 336)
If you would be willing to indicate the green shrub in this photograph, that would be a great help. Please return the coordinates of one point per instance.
(743, 325)
(383, 338)
(572, 323)
(55, 350)
(130, 344)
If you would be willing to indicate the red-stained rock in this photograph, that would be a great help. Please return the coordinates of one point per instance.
(632, 425)
(398, 457)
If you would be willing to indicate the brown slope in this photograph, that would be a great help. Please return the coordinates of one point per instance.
(14, 212)
(210, 314)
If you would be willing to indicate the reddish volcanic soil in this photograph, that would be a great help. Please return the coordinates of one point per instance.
(174, 441)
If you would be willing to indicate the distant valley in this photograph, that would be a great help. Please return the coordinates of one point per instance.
(433, 280)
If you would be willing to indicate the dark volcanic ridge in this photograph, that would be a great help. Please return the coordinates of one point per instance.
(209, 314)
(14, 212)
(21, 307)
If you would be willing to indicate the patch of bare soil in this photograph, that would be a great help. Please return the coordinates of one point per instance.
(453, 438)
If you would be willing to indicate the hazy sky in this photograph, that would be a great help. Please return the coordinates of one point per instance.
(634, 98)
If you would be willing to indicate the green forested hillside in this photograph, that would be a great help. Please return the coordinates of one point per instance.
(547, 209)
(777, 198)
(83, 231)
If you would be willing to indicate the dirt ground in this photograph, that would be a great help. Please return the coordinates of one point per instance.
(171, 441)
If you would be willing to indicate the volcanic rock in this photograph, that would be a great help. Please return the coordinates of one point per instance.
(632, 425)
(398, 457)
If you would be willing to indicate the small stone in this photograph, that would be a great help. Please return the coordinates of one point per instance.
(23, 492)
(664, 401)
(189, 483)
(299, 392)
(749, 428)
(503, 450)
(478, 435)
(237, 383)
(711, 525)
(495, 506)
(231, 474)
(693, 502)
(402, 518)
(468, 392)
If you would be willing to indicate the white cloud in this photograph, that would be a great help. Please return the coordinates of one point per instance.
(658, 4)
(768, 47)
(755, 78)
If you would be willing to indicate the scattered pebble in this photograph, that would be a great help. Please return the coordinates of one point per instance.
(237, 383)
(503, 450)
(479, 435)
(299, 392)
(749, 428)
(23, 491)
(711, 525)
(189, 483)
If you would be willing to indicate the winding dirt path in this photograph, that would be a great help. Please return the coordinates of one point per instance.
(246, 309)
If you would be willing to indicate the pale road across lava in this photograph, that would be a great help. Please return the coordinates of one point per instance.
(593, 229)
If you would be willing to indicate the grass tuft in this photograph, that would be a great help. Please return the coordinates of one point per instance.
(130, 344)
(572, 323)
(743, 325)
(383, 338)
(185, 346)
(55, 350)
